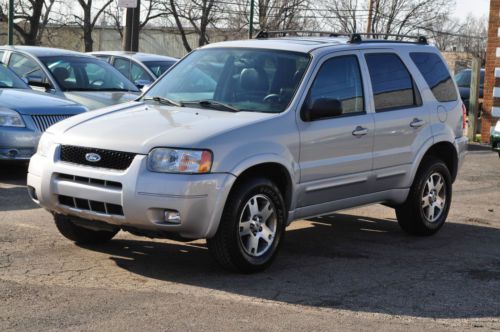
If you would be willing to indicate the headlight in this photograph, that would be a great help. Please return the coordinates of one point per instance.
(10, 118)
(45, 143)
(179, 161)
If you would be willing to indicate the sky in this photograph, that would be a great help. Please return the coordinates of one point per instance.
(478, 8)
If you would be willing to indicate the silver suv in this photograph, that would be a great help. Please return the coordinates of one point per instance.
(241, 138)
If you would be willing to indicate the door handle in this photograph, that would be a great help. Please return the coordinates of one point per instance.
(360, 131)
(417, 123)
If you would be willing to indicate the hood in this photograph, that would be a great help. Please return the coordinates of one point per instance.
(138, 127)
(99, 99)
(32, 102)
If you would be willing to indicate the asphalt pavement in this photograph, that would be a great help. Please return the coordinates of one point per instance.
(354, 270)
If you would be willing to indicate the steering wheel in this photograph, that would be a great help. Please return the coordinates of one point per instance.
(272, 98)
(97, 81)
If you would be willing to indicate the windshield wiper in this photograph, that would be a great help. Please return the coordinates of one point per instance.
(165, 101)
(213, 105)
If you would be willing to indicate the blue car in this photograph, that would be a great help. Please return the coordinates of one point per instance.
(25, 114)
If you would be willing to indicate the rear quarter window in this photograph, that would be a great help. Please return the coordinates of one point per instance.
(436, 75)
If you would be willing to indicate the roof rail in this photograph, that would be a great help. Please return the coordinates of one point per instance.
(353, 37)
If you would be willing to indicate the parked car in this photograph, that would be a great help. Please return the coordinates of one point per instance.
(25, 114)
(140, 68)
(241, 138)
(495, 138)
(72, 75)
(463, 80)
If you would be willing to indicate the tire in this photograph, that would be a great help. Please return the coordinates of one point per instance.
(244, 241)
(81, 235)
(428, 203)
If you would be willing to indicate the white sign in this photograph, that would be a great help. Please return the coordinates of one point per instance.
(127, 3)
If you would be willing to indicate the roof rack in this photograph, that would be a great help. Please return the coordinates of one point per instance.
(353, 37)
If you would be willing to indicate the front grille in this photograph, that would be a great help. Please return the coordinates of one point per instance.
(108, 158)
(90, 181)
(89, 205)
(43, 122)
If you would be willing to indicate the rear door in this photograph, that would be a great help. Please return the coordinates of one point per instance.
(402, 123)
(336, 152)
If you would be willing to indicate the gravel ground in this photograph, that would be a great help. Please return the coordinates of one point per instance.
(354, 270)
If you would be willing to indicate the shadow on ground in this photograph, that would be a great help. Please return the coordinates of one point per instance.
(347, 262)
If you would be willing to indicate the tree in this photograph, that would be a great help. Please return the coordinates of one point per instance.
(30, 19)
(390, 17)
(474, 36)
(87, 22)
(199, 14)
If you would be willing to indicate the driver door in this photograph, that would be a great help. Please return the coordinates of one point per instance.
(336, 151)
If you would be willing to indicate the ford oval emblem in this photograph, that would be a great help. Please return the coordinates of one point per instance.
(92, 157)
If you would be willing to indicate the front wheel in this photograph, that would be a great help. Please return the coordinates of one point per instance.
(428, 202)
(251, 228)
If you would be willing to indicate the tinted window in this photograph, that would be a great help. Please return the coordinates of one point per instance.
(139, 75)
(82, 73)
(391, 82)
(436, 75)
(339, 79)
(123, 66)
(158, 67)
(9, 80)
(26, 67)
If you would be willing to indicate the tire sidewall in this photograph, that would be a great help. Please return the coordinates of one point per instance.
(436, 167)
(243, 195)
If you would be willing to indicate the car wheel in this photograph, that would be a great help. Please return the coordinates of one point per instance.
(428, 202)
(251, 228)
(80, 234)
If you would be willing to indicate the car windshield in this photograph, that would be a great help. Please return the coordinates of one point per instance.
(234, 79)
(78, 73)
(463, 78)
(158, 67)
(10, 80)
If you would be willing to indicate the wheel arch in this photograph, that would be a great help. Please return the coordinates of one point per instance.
(443, 150)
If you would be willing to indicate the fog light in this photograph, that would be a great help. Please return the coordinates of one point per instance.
(172, 217)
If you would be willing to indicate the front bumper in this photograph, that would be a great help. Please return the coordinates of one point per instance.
(18, 143)
(142, 195)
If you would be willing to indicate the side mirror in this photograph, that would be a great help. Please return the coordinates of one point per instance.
(37, 81)
(321, 109)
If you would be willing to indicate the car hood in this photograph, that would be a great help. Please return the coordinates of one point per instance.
(138, 127)
(31, 102)
(99, 99)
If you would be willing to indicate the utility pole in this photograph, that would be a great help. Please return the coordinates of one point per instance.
(250, 29)
(132, 22)
(474, 98)
(10, 28)
(370, 15)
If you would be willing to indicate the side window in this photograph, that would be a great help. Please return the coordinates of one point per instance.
(139, 74)
(123, 66)
(392, 84)
(26, 67)
(436, 75)
(339, 83)
(2, 53)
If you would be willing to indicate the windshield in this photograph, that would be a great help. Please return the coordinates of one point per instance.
(158, 67)
(78, 73)
(463, 78)
(244, 79)
(10, 80)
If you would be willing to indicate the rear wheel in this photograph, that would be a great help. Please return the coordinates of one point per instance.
(81, 234)
(251, 228)
(428, 202)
